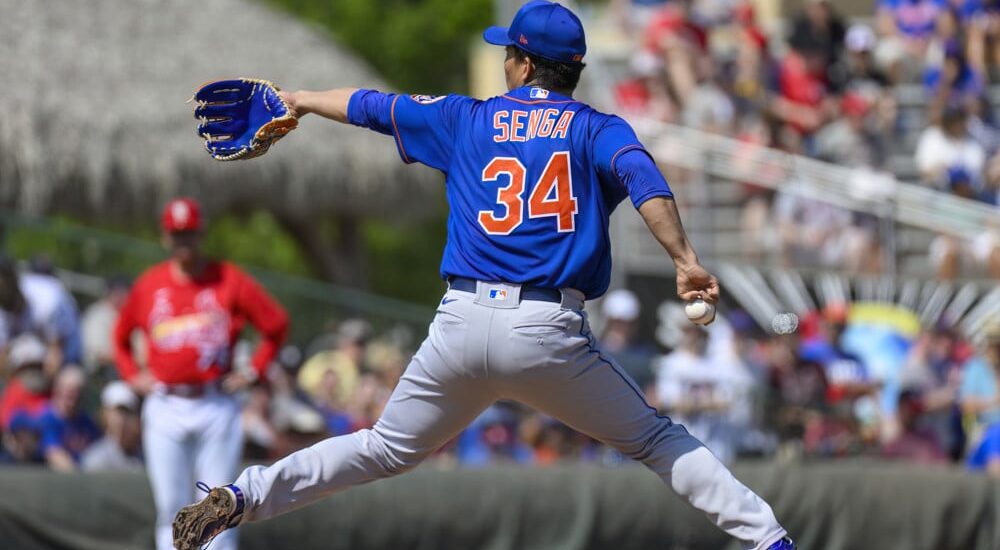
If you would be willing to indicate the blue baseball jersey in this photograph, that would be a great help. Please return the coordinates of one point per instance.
(531, 180)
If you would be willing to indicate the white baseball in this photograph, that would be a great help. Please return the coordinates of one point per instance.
(785, 323)
(700, 312)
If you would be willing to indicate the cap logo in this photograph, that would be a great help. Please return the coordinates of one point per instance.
(523, 40)
(180, 213)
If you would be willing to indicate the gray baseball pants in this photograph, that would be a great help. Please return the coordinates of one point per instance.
(488, 346)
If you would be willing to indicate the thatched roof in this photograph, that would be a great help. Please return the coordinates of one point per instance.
(94, 119)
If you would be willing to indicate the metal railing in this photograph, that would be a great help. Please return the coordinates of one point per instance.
(909, 216)
(858, 190)
(765, 289)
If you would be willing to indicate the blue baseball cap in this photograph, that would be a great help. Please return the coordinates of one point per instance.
(545, 29)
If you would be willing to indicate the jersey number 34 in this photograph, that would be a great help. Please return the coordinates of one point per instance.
(552, 195)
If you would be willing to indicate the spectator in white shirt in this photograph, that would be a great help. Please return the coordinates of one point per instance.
(41, 305)
(948, 145)
(707, 393)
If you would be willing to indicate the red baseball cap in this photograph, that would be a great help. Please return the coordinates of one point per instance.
(181, 214)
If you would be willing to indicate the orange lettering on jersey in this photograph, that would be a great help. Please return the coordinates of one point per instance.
(517, 125)
(548, 121)
(509, 196)
(562, 127)
(533, 119)
(503, 127)
(558, 177)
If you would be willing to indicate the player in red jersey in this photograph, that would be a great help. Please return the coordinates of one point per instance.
(191, 310)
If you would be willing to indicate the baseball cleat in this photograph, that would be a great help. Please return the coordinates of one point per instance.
(783, 544)
(196, 525)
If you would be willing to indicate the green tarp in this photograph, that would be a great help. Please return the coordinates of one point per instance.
(833, 506)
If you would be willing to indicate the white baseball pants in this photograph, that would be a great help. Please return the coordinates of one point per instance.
(186, 440)
(488, 346)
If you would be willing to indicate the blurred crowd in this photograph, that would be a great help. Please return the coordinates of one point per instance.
(831, 89)
(822, 87)
(837, 385)
(741, 390)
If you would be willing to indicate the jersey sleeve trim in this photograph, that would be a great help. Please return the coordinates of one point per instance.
(641, 193)
(395, 132)
(639, 201)
(614, 159)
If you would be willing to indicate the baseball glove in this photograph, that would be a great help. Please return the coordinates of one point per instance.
(241, 118)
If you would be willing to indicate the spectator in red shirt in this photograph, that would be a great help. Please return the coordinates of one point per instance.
(191, 310)
(672, 24)
(27, 392)
(645, 93)
(682, 45)
(802, 89)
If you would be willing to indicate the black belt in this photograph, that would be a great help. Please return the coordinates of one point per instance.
(190, 391)
(527, 292)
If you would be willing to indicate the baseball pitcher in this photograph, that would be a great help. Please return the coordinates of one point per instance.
(532, 177)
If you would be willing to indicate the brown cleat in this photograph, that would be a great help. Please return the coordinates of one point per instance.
(196, 525)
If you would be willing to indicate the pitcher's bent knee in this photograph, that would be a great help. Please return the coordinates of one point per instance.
(664, 439)
(389, 457)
